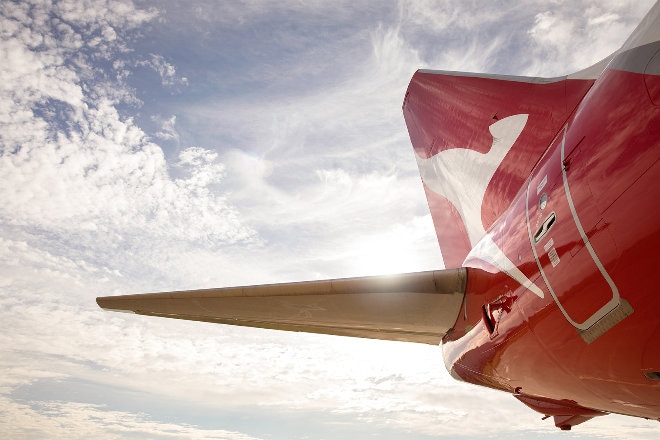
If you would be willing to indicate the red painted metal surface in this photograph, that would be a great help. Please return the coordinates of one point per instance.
(593, 346)
(452, 111)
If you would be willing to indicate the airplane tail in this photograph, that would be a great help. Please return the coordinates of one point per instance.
(476, 138)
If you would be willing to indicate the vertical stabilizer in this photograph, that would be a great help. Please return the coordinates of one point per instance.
(476, 138)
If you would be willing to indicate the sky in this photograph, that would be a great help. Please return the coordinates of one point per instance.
(179, 145)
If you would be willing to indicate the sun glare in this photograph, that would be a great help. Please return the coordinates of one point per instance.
(385, 255)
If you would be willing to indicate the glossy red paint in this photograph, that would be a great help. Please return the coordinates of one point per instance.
(584, 179)
(565, 413)
(445, 111)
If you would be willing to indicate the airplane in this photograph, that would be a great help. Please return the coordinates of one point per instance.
(545, 197)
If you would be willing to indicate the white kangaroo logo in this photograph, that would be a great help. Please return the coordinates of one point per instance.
(462, 176)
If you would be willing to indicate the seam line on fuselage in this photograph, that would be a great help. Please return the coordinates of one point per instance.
(611, 304)
(615, 299)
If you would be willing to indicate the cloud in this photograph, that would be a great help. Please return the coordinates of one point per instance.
(61, 419)
(166, 71)
(312, 161)
(70, 159)
(535, 39)
(569, 37)
(167, 130)
(109, 159)
(85, 192)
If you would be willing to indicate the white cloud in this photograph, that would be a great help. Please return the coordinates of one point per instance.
(572, 36)
(72, 420)
(85, 164)
(538, 38)
(330, 165)
(168, 128)
(430, 14)
(121, 181)
(166, 71)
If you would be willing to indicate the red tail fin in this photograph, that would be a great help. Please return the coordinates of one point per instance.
(476, 138)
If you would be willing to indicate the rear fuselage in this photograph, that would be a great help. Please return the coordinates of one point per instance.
(585, 229)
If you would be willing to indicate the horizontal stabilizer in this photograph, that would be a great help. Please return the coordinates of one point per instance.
(415, 307)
